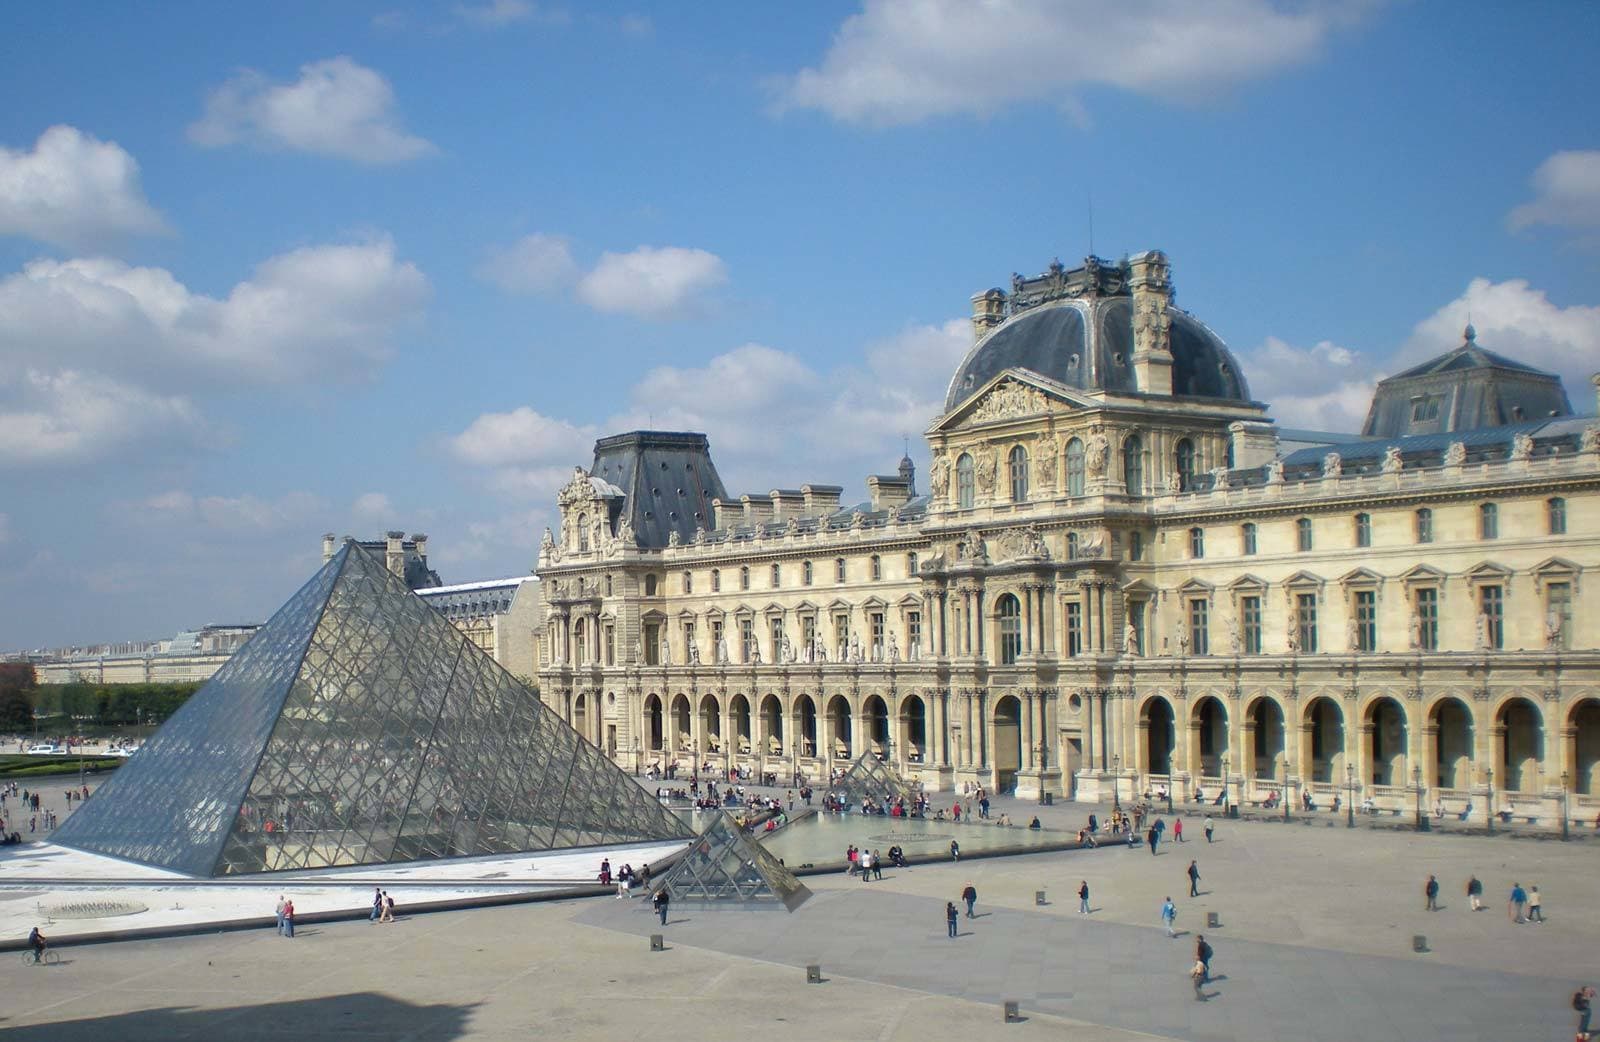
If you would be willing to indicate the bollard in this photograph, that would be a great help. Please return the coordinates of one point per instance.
(1419, 943)
(657, 943)
(1011, 1014)
(813, 973)
(1213, 921)
(1038, 898)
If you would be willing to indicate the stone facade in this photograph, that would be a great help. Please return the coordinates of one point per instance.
(1116, 589)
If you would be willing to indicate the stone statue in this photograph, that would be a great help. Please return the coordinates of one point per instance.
(1522, 446)
(625, 534)
(638, 651)
(1275, 472)
(1044, 466)
(1130, 640)
(755, 653)
(987, 466)
(1392, 463)
(1480, 639)
(858, 521)
(1291, 639)
(1455, 455)
(855, 648)
(894, 649)
(939, 476)
(699, 535)
(666, 650)
(1552, 630)
(674, 539)
(1414, 631)
(722, 650)
(1235, 644)
(1174, 483)
(1352, 640)
(1219, 479)
(821, 654)
(694, 653)
(1589, 440)
(1096, 453)
(1332, 465)
(788, 649)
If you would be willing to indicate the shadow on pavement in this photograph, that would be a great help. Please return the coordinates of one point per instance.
(361, 1014)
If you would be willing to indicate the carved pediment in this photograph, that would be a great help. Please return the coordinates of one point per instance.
(1013, 394)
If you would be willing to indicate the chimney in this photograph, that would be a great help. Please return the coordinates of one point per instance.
(395, 557)
(1150, 279)
(988, 311)
(1252, 444)
(422, 546)
(328, 545)
(724, 513)
(821, 499)
(787, 503)
(756, 508)
(887, 492)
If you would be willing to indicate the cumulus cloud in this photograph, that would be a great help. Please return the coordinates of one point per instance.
(1566, 193)
(526, 454)
(66, 416)
(336, 108)
(903, 61)
(652, 282)
(245, 513)
(535, 263)
(1321, 387)
(497, 13)
(73, 190)
(318, 311)
(372, 505)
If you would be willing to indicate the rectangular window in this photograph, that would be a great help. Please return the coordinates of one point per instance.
(877, 568)
(875, 628)
(1199, 626)
(1556, 515)
(652, 644)
(716, 580)
(775, 625)
(1428, 618)
(1305, 615)
(716, 640)
(808, 631)
(1135, 546)
(1136, 620)
(1302, 530)
(1248, 534)
(911, 566)
(688, 641)
(744, 578)
(1074, 627)
(1197, 543)
(805, 573)
(838, 569)
(688, 582)
(747, 640)
(1488, 521)
(841, 636)
(610, 633)
(1491, 600)
(1363, 529)
(1366, 608)
(1424, 525)
(1558, 614)
(1250, 621)
(913, 632)
(777, 576)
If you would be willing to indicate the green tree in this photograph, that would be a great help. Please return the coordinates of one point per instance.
(16, 711)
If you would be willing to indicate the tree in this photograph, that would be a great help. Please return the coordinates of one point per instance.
(17, 676)
(16, 711)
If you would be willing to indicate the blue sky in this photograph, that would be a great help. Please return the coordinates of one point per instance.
(357, 267)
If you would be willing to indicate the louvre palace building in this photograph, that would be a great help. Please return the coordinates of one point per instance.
(1122, 576)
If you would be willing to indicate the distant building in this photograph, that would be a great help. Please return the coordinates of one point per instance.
(190, 657)
(498, 615)
(407, 558)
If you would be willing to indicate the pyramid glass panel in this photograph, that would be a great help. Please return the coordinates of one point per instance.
(724, 864)
(871, 779)
(360, 727)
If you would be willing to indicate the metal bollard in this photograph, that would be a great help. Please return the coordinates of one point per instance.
(657, 943)
(1038, 898)
(813, 973)
(1011, 1014)
(1213, 921)
(1419, 942)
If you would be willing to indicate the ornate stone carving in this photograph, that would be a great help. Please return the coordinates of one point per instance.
(625, 534)
(970, 548)
(1522, 446)
(1130, 640)
(548, 548)
(1096, 452)
(1455, 454)
(1332, 465)
(1152, 325)
(1022, 544)
(939, 476)
(576, 490)
(1044, 465)
(1275, 472)
(1219, 479)
(1589, 441)
(1009, 400)
(1392, 463)
(674, 539)
(988, 465)
(1091, 544)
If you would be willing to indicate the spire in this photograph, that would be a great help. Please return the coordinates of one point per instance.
(1469, 334)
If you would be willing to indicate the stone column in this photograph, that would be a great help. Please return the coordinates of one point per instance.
(1029, 760)
(1027, 619)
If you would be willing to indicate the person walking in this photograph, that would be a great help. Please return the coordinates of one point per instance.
(1431, 891)
(1519, 901)
(1535, 905)
(1210, 827)
(281, 903)
(377, 905)
(1202, 954)
(1475, 893)
(1169, 916)
(955, 851)
(1177, 830)
(950, 917)
(970, 895)
(1194, 879)
(388, 908)
(1197, 976)
(1083, 898)
(1583, 1003)
(1150, 837)
(288, 919)
(661, 900)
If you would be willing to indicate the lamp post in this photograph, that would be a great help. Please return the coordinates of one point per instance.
(1116, 782)
(1349, 797)
(1286, 799)
(1227, 802)
(1488, 800)
(1172, 780)
(1564, 836)
(1044, 753)
(1416, 778)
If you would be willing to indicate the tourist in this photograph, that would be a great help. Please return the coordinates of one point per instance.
(969, 894)
(1197, 974)
(1535, 908)
(1151, 837)
(1475, 893)
(377, 905)
(864, 860)
(288, 919)
(1034, 824)
(1519, 901)
(1582, 1002)
(1085, 837)
(661, 900)
(1177, 829)
(1194, 880)
(1431, 890)
(388, 908)
(1202, 954)
(1209, 827)
(950, 918)
(877, 865)
(281, 905)
(1169, 915)
(983, 807)
(1083, 897)
(37, 942)
(955, 851)
(955, 811)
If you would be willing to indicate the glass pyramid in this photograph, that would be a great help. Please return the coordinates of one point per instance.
(725, 864)
(360, 727)
(872, 779)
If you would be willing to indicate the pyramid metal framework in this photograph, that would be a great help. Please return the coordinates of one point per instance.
(360, 727)
(726, 865)
(873, 779)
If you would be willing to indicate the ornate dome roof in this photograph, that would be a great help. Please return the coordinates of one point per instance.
(1077, 328)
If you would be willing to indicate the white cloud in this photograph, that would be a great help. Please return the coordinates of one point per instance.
(66, 416)
(495, 12)
(652, 282)
(526, 454)
(1516, 320)
(903, 61)
(1567, 187)
(1321, 387)
(245, 513)
(372, 505)
(73, 189)
(314, 312)
(336, 108)
(535, 263)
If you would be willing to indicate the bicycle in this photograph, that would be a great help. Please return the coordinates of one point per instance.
(50, 957)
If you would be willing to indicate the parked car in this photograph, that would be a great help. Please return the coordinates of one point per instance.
(45, 749)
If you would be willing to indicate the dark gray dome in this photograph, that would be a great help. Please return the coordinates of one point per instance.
(1087, 343)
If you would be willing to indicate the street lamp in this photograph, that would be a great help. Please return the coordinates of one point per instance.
(1489, 801)
(1349, 796)
(1286, 799)
(1416, 777)
(1227, 802)
(1116, 782)
(1564, 836)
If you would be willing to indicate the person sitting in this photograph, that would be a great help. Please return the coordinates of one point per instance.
(1005, 821)
(1438, 809)
(1199, 794)
(1337, 803)
(1034, 824)
(1086, 838)
(1368, 807)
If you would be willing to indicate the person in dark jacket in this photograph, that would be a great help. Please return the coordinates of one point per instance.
(969, 894)
(1194, 880)
(1432, 892)
(1202, 955)
(661, 901)
(950, 917)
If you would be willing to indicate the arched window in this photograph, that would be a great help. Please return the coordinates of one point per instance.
(838, 569)
(1302, 534)
(1019, 474)
(1424, 525)
(583, 533)
(805, 573)
(1133, 465)
(1075, 467)
(688, 582)
(911, 566)
(1010, 629)
(777, 576)
(966, 482)
(1183, 457)
(1556, 515)
(1363, 529)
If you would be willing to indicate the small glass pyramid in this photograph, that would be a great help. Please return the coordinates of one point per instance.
(872, 779)
(360, 727)
(726, 865)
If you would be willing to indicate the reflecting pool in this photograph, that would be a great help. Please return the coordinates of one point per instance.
(821, 839)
